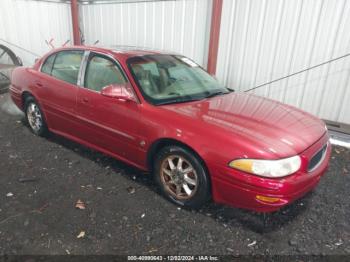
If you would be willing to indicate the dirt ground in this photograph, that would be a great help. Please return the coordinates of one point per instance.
(125, 214)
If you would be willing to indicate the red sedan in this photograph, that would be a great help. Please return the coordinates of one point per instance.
(163, 113)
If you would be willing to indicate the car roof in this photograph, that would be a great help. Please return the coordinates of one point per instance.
(126, 51)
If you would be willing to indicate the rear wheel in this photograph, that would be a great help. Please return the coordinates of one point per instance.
(35, 117)
(182, 177)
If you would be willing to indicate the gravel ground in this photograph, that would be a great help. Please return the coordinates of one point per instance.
(125, 214)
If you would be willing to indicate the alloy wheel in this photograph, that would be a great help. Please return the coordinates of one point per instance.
(179, 177)
(34, 117)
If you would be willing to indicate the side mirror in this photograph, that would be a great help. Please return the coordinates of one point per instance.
(119, 91)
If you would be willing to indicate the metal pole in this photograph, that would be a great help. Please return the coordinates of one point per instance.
(75, 22)
(214, 36)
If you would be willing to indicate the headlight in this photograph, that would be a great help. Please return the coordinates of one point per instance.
(268, 168)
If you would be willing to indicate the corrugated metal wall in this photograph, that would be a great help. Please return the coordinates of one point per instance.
(262, 40)
(29, 23)
(181, 26)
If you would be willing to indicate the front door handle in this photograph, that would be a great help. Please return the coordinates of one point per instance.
(85, 100)
(38, 84)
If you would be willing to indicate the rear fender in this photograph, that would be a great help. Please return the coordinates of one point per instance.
(23, 85)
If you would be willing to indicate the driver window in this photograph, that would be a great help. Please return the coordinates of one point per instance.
(101, 72)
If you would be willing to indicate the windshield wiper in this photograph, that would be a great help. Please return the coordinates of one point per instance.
(178, 100)
(218, 93)
(188, 99)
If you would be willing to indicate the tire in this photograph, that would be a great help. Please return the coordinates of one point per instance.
(35, 117)
(194, 185)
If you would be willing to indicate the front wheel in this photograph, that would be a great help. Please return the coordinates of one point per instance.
(35, 117)
(182, 177)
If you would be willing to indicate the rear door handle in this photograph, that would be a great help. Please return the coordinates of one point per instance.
(85, 100)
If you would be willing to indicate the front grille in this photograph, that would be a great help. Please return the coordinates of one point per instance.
(317, 159)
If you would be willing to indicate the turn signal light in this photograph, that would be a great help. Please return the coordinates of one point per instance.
(267, 199)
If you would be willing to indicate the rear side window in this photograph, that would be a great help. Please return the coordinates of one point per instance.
(66, 66)
(47, 66)
(101, 72)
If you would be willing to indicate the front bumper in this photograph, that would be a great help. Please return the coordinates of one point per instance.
(236, 188)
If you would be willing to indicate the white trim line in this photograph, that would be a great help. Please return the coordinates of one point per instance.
(339, 143)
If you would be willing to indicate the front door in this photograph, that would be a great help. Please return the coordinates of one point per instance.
(111, 124)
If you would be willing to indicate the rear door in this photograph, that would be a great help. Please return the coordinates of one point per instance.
(58, 90)
(112, 124)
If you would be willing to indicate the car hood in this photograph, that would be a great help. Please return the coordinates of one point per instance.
(275, 128)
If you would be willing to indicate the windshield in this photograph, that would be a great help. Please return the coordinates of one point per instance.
(165, 79)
